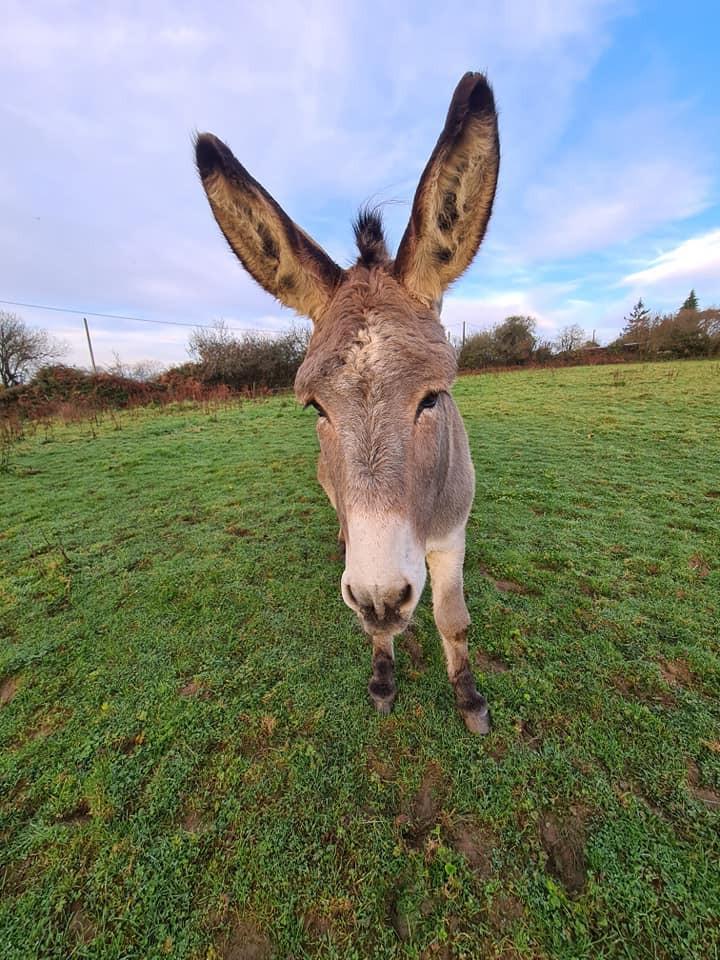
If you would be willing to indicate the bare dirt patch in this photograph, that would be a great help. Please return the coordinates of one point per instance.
(399, 920)
(563, 840)
(498, 748)
(529, 734)
(505, 586)
(81, 927)
(713, 494)
(706, 795)
(128, 745)
(245, 941)
(487, 664)
(475, 841)
(640, 689)
(218, 912)
(426, 805)
(504, 911)
(677, 673)
(78, 816)
(384, 771)
(236, 531)
(196, 689)
(16, 877)
(8, 688)
(194, 822)
(625, 789)
(316, 925)
(47, 726)
(699, 565)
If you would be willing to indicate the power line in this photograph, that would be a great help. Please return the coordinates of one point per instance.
(176, 323)
(120, 316)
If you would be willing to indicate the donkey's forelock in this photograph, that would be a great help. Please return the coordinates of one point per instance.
(370, 237)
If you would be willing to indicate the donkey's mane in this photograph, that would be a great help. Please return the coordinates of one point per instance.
(370, 237)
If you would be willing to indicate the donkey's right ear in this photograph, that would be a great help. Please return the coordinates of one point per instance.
(279, 255)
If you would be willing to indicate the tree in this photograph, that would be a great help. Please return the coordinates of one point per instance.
(515, 339)
(570, 338)
(23, 350)
(637, 323)
(691, 302)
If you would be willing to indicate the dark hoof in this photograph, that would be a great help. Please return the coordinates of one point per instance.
(382, 693)
(472, 705)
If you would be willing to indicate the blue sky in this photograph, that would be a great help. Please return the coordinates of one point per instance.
(609, 125)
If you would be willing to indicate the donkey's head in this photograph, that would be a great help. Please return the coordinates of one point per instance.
(393, 456)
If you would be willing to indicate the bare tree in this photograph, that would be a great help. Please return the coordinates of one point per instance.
(23, 349)
(570, 338)
(143, 370)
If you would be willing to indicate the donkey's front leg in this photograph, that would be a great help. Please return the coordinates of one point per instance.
(453, 620)
(382, 688)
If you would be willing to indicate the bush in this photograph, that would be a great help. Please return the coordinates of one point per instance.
(508, 344)
(687, 333)
(478, 351)
(58, 385)
(249, 362)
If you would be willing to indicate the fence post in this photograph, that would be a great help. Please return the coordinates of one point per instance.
(92, 355)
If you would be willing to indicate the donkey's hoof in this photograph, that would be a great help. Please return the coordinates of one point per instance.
(472, 705)
(477, 721)
(383, 706)
(382, 697)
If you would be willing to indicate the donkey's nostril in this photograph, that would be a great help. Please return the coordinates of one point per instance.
(351, 595)
(405, 595)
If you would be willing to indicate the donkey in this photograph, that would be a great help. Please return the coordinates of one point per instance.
(394, 457)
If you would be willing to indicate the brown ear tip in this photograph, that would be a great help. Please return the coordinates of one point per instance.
(208, 154)
(481, 99)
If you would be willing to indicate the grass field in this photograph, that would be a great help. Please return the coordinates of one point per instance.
(191, 767)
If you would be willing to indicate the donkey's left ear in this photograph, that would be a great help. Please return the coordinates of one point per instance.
(454, 198)
(280, 256)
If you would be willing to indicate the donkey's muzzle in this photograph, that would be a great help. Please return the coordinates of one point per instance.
(381, 609)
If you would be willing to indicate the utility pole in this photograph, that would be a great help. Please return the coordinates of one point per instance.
(92, 355)
(463, 343)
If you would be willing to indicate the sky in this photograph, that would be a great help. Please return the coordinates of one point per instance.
(609, 180)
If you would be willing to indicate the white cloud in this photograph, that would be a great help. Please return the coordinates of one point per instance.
(546, 303)
(327, 107)
(695, 261)
(628, 175)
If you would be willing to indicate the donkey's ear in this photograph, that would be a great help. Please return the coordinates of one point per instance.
(454, 198)
(279, 255)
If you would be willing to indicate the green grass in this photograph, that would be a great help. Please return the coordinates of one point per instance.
(190, 765)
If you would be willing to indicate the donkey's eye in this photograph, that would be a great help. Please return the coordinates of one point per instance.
(316, 405)
(427, 402)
